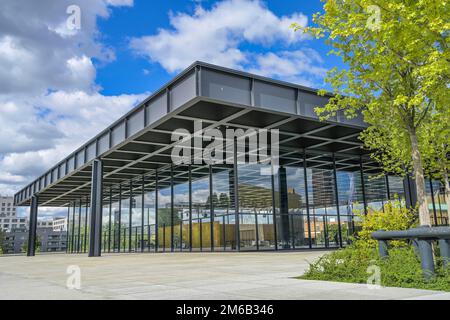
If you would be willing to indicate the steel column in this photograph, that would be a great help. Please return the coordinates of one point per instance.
(172, 210)
(31, 250)
(211, 209)
(109, 223)
(190, 207)
(274, 216)
(79, 229)
(434, 204)
(130, 217)
(95, 241)
(142, 214)
(337, 201)
(86, 224)
(305, 176)
(156, 211)
(387, 187)
(73, 229)
(67, 229)
(236, 197)
(119, 227)
(363, 185)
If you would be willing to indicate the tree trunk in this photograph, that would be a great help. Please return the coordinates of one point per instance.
(447, 192)
(424, 215)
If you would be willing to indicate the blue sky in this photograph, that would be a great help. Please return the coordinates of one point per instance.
(60, 87)
(132, 73)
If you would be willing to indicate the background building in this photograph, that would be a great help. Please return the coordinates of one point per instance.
(8, 216)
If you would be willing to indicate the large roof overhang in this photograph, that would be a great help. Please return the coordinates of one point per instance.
(140, 142)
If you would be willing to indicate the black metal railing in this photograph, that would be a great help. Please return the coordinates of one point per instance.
(422, 238)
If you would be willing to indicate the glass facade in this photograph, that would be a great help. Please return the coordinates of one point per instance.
(240, 207)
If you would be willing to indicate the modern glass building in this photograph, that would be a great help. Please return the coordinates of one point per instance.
(123, 192)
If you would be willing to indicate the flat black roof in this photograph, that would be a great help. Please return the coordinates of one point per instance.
(140, 142)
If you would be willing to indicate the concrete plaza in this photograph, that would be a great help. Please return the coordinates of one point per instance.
(264, 275)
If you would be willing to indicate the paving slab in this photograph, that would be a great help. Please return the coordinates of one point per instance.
(183, 276)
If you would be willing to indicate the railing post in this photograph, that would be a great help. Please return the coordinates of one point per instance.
(444, 247)
(426, 257)
(383, 248)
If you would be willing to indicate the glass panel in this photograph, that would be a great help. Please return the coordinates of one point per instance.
(125, 219)
(181, 208)
(376, 192)
(201, 220)
(149, 214)
(323, 209)
(164, 211)
(224, 214)
(255, 205)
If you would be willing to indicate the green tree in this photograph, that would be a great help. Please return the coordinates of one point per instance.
(397, 74)
(436, 150)
(164, 217)
(2, 241)
(37, 245)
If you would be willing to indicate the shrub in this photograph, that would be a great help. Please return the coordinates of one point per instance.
(393, 216)
(401, 269)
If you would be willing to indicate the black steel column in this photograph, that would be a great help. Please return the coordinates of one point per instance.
(274, 210)
(130, 217)
(284, 211)
(409, 186)
(236, 197)
(388, 190)
(119, 227)
(73, 229)
(156, 212)
(79, 229)
(337, 201)
(211, 208)
(305, 176)
(67, 229)
(190, 207)
(363, 185)
(86, 224)
(172, 210)
(142, 214)
(109, 223)
(31, 250)
(95, 241)
(434, 204)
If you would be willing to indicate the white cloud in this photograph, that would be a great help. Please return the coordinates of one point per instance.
(49, 102)
(31, 146)
(215, 35)
(300, 66)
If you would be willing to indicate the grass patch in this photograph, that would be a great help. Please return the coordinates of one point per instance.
(401, 269)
